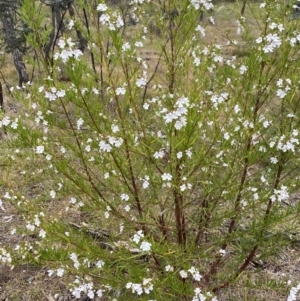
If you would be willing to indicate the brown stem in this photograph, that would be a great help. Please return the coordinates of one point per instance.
(254, 249)
(179, 214)
(204, 220)
(162, 226)
(172, 64)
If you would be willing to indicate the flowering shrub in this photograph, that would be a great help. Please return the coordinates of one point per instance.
(187, 160)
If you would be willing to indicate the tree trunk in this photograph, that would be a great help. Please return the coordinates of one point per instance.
(48, 45)
(59, 20)
(11, 41)
(57, 28)
(20, 66)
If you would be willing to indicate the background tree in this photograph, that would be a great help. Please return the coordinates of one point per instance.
(13, 39)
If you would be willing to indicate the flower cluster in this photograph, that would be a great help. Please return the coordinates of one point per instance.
(110, 142)
(6, 121)
(145, 246)
(67, 50)
(194, 273)
(283, 89)
(271, 42)
(139, 288)
(285, 144)
(113, 20)
(199, 296)
(5, 257)
(198, 4)
(81, 288)
(53, 94)
(59, 272)
(280, 195)
(178, 114)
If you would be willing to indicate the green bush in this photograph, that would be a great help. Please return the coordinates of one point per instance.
(169, 166)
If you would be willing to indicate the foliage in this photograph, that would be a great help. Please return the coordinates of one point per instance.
(165, 178)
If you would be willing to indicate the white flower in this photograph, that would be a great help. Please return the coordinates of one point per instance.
(259, 40)
(65, 54)
(62, 149)
(50, 96)
(40, 149)
(124, 197)
(180, 123)
(201, 30)
(73, 257)
(145, 184)
(61, 93)
(166, 177)
(120, 91)
(137, 288)
(106, 147)
(60, 272)
(126, 46)
(1, 205)
(136, 237)
(101, 7)
(145, 246)
(281, 93)
(79, 123)
(282, 194)
(188, 152)
(104, 19)
(42, 233)
(179, 155)
(222, 252)
(273, 160)
(50, 272)
(77, 53)
(61, 44)
(30, 227)
(182, 187)
(169, 268)
(138, 44)
(273, 42)
(243, 69)
(226, 136)
(52, 194)
(159, 155)
(148, 286)
(195, 273)
(183, 274)
(197, 4)
(293, 293)
(99, 264)
(141, 82)
(119, 22)
(71, 24)
(91, 294)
